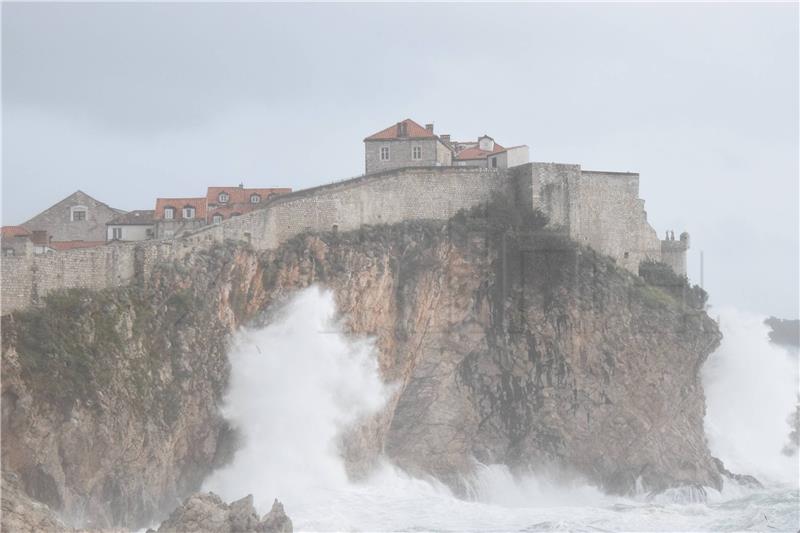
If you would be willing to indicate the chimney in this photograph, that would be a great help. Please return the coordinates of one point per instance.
(241, 185)
(429, 127)
(445, 138)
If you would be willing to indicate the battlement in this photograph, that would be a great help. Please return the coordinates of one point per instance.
(598, 209)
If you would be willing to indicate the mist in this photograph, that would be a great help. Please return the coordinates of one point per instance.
(699, 99)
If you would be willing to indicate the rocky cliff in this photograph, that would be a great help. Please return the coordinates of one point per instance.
(509, 344)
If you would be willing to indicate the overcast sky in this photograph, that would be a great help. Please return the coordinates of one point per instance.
(129, 102)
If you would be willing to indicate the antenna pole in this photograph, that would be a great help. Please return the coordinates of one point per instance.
(702, 286)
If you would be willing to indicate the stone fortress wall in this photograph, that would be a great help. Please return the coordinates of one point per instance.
(598, 209)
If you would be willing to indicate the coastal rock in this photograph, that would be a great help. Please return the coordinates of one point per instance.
(207, 513)
(21, 514)
(505, 343)
(741, 479)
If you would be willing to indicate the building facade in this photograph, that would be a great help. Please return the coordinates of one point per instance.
(406, 144)
(136, 225)
(175, 216)
(78, 217)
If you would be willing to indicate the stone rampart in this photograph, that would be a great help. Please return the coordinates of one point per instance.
(599, 209)
(383, 198)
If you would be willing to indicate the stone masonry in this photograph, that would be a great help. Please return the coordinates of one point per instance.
(598, 209)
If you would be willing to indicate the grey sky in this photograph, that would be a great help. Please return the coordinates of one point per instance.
(133, 101)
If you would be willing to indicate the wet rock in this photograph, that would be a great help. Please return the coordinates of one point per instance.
(741, 479)
(21, 514)
(207, 513)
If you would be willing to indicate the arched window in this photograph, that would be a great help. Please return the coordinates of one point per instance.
(255, 198)
(169, 213)
(188, 211)
(216, 219)
(223, 197)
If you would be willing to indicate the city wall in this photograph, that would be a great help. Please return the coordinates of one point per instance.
(601, 210)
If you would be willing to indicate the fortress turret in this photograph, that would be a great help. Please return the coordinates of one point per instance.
(673, 252)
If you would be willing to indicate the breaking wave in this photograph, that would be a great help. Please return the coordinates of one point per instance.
(299, 382)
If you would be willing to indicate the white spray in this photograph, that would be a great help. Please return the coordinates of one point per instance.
(297, 384)
(751, 388)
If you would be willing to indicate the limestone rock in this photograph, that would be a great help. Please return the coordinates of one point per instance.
(21, 514)
(276, 520)
(741, 479)
(207, 513)
(507, 344)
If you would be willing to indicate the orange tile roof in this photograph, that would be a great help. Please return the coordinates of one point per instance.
(413, 131)
(72, 245)
(239, 195)
(476, 153)
(14, 231)
(227, 210)
(199, 205)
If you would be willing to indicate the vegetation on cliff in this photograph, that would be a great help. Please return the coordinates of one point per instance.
(507, 341)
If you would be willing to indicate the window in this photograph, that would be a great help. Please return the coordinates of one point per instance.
(8, 251)
(216, 219)
(116, 233)
(169, 213)
(416, 153)
(254, 198)
(235, 214)
(168, 233)
(494, 162)
(77, 213)
(188, 212)
(223, 198)
(384, 153)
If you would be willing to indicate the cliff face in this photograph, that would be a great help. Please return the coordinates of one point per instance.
(110, 399)
(508, 344)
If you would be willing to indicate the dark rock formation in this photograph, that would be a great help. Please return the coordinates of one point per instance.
(207, 513)
(741, 479)
(22, 514)
(110, 399)
(509, 344)
(785, 332)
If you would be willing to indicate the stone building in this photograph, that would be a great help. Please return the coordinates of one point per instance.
(78, 217)
(405, 144)
(136, 225)
(486, 153)
(15, 240)
(174, 216)
(227, 202)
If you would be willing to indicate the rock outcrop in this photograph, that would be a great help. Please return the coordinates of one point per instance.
(508, 344)
(110, 399)
(22, 514)
(207, 513)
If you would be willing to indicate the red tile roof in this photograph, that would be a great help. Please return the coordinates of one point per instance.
(199, 205)
(72, 245)
(239, 195)
(413, 131)
(14, 231)
(476, 153)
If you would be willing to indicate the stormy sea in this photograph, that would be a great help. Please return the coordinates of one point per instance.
(299, 383)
